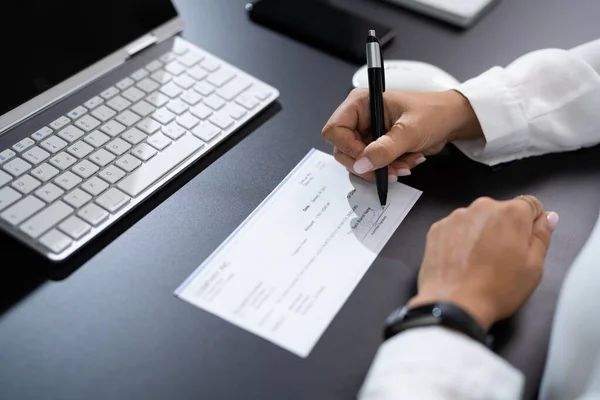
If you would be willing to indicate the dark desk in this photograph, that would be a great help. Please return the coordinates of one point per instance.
(111, 329)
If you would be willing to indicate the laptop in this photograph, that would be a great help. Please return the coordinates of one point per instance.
(463, 13)
(100, 107)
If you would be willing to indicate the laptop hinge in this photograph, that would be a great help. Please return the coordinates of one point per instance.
(141, 44)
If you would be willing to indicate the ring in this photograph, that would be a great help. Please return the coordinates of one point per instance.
(530, 201)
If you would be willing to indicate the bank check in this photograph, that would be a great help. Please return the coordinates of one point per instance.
(286, 271)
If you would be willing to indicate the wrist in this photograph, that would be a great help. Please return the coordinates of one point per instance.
(477, 309)
(467, 126)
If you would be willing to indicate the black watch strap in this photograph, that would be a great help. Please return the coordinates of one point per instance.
(436, 314)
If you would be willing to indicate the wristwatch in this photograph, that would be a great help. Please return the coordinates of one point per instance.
(435, 314)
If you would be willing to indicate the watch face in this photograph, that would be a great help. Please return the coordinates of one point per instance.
(397, 315)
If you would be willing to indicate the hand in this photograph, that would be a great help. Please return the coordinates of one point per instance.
(487, 258)
(418, 124)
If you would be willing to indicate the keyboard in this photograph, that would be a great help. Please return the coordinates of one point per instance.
(459, 12)
(74, 177)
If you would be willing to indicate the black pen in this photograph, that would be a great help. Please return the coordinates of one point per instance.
(376, 89)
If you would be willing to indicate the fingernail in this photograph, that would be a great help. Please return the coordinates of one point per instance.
(363, 165)
(420, 160)
(552, 219)
(403, 172)
(392, 178)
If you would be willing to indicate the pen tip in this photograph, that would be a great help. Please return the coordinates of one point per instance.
(372, 32)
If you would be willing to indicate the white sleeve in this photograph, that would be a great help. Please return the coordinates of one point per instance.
(435, 363)
(544, 102)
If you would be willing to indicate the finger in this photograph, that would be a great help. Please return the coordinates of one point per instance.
(381, 152)
(348, 122)
(540, 238)
(530, 206)
(402, 165)
(348, 162)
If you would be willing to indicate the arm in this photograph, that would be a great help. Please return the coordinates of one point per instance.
(544, 102)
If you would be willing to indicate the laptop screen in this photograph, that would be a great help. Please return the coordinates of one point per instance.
(44, 42)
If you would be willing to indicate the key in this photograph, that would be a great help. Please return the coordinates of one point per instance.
(49, 192)
(74, 227)
(167, 57)
(110, 92)
(125, 83)
(201, 111)
(191, 97)
(85, 169)
(142, 108)
(235, 111)
(214, 102)
(42, 133)
(6, 155)
(173, 130)
(44, 172)
(70, 133)
(55, 241)
(22, 210)
(184, 81)
(133, 94)
(158, 141)
(46, 219)
(157, 99)
(7, 197)
(80, 149)
(139, 74)
(17, 167)
(190, 59)
(112, 128)
(112, 199)
(62, 160)
(220, 77)
(23, 144)
(4, 178)
(153, 170)
(247, 100)
(102, 157)
(53, 144)
(77, 112)
(163, 115)
(197, 73)
(174, 68)
(187, 120)
(93, 102)
(144, 152)
(149, 126)
(171, 90)
(97, 138)
(127, 118)
(161, 76)
(134, 136)
(77, 198)
(103, 113)
(88, 123)
(153, 66)
(68, 180)
(177, 106)
(118, 103)
(148, 85)
(60, 122)
(206, 131)
(233, 88)
(204, 88)
(111, 174)
(94, 186)
(35, 155)
(221, 119)
(118, 146)
(26, 184)
(210, 65)
(262, 94)
(180, 47)
(92, 214)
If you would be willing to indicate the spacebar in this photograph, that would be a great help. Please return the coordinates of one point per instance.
(157, 167)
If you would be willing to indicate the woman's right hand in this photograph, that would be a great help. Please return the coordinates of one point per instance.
(417, 124)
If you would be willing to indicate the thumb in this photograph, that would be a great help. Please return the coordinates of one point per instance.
(383, 151)
(540, 238)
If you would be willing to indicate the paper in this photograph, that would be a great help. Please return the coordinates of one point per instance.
(290, 266)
